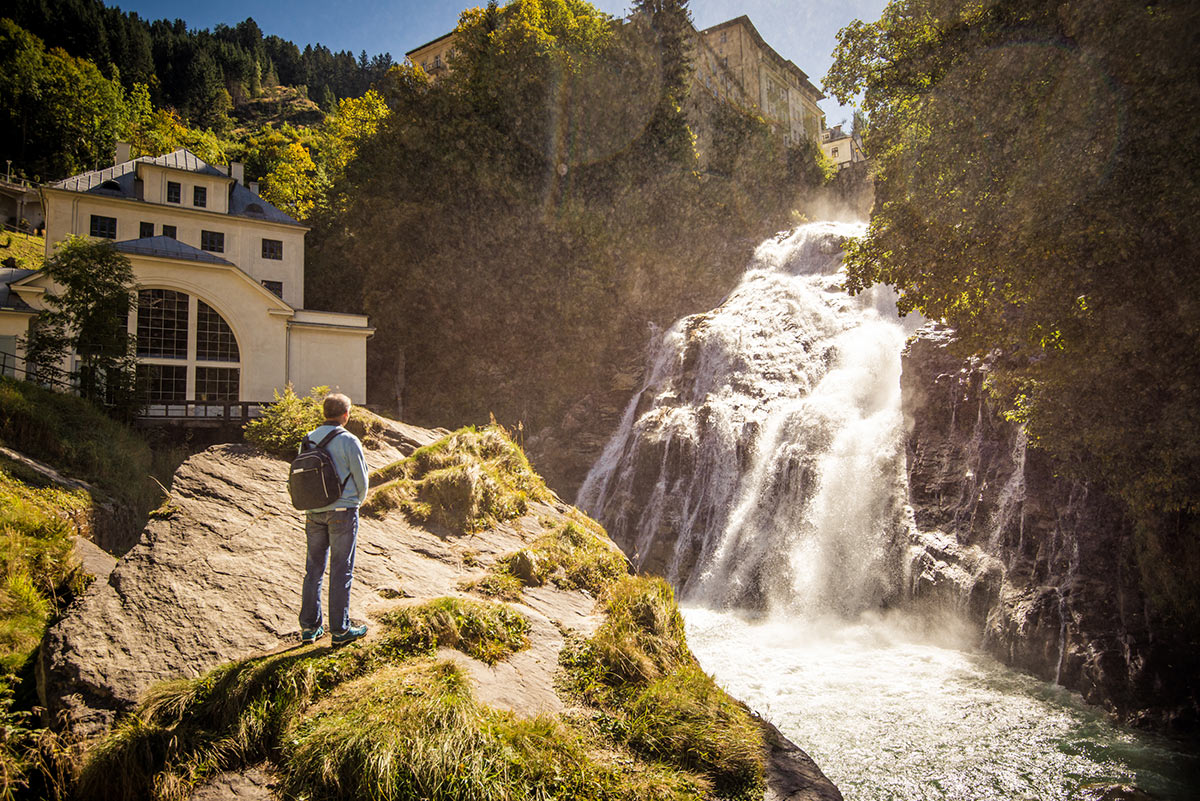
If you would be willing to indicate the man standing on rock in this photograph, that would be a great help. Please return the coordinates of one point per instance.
(333, 530)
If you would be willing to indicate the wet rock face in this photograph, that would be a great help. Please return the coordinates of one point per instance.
(1041, 563)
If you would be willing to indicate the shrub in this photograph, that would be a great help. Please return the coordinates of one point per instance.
(285, 422)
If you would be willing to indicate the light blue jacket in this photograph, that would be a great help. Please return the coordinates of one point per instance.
(348, 458)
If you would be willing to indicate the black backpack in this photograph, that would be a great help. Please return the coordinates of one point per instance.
(313, 480)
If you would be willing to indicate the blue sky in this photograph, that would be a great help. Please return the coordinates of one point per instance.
(801, 31)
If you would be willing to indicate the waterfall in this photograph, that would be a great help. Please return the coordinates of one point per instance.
(761, 463)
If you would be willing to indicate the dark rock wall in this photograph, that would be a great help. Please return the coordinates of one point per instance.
(1044, 565)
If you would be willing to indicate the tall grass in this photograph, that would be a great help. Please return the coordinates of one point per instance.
(649, 693)
(76, 437)
(237, 714)
(573, 555)
(38, 576)
(464, 482)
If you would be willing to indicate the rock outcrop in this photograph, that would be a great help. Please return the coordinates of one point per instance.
(1041, 563)
(216, 577)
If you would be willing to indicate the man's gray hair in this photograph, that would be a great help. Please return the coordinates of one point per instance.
(336, 404)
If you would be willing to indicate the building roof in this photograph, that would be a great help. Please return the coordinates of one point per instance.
(430, 42)
(119, 181)
(780, 61)
(9, 301)
(165, 247)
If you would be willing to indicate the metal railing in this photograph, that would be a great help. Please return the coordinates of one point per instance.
(15, 366)
(190, 411)
(214, 412)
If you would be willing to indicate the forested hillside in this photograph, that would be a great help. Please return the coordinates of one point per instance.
(77, 77)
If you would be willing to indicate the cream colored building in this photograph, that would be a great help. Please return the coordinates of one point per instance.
(433, 56)
(841, 148)
(220, 311)
(779, 89)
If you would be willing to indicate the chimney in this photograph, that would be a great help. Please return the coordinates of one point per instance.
(238, 171)
(253, 186)
(123, 152)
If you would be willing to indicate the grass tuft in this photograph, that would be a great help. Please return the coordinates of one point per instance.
(236, 714)
(649, 693)
(465, 482)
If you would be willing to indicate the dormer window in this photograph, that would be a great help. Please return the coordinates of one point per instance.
(255, 209)
(174, 192)
(199, 197)
(111, 185)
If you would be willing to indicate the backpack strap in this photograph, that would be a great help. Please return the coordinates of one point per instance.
(325, 441)
(329, 437)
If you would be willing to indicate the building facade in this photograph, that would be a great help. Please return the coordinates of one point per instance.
(220, 311)
(768, 82)
(841, 148)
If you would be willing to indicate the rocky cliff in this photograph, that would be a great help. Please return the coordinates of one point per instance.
(216, 577)
(1041, 563)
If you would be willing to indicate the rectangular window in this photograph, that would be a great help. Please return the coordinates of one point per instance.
(724, 36)
(145, 230)
(8, 356)
(199, 196)
(162, 383)
(272, 249)
(217, 384)
(834, 152)
(103, 227)
(174, 192)
(274, 287)
(162, 324)
(169, 230)
(212, 241)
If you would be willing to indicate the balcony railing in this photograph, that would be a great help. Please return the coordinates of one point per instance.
(187, 412)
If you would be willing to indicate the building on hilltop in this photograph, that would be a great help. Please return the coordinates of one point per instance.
(843, 149)
(731, 62)
(432, 56)
(220, 311)
(768, 82)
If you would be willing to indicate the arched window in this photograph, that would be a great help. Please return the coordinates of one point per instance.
(186, 349)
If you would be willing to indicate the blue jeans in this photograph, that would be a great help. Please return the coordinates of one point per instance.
(335, 533)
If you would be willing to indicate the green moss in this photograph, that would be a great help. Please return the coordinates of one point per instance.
(648, 692)
(468, 481)
(283, 424)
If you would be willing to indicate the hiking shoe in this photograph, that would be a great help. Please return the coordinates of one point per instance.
(309, 636)
(349, 635)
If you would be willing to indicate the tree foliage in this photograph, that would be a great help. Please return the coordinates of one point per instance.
(513, 226)
(59, 114)
(1037, 190)
(87, 314)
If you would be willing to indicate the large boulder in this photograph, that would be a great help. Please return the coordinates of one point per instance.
(216, 577)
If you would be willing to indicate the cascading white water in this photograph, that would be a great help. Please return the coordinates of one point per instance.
(764, 452)
(760, 467)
